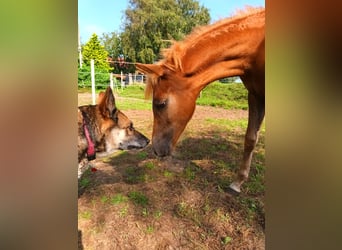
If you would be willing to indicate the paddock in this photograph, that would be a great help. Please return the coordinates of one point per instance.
(136, 200)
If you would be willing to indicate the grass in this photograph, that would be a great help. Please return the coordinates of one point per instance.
(228, 124)
(226, 240)
(216, 94)
(85, 215)
(117, 199)
(228, 96)
(134, 104)
(190, 172)
(150, 165)
(132, 91)
(184, 197)
(138, 198)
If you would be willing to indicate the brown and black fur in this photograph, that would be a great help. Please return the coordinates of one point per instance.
(109, 129)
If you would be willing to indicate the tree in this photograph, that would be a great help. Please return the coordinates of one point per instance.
(150, 25)
(113, 44)
(94, 50)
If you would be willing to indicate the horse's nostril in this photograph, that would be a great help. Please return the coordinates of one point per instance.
(161, 152)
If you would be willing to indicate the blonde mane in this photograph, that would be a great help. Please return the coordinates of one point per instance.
(172, 57)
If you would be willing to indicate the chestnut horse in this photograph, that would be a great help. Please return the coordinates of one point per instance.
(231, 47)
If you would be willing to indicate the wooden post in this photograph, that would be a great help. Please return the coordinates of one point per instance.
(130, 80)
(121, 80)
(92, 70)
(111, 80)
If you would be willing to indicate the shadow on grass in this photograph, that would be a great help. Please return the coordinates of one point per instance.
(204, 165)
(183, 191)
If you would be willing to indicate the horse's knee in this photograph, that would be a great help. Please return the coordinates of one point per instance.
(243, 174)
(250, 142)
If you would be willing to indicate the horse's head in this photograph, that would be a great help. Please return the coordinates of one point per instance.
(174, 102)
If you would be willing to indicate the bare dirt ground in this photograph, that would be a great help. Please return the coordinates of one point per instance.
(137, 201)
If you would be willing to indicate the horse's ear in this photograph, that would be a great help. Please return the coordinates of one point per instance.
(107, 103)
(150, 69)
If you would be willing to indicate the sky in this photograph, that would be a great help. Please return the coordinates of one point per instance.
(104, 16)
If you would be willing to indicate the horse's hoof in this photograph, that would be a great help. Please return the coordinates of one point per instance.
(234, 189)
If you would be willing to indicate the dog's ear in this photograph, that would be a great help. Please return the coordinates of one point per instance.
(107, 104)
(100, 97)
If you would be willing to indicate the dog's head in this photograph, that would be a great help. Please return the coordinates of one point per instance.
(118, 130)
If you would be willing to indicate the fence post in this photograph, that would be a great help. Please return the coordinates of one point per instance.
(121, 80)
(92, 70)
(130, 80)
(111, 80)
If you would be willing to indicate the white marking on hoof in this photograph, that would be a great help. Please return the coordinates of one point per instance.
(236, 187)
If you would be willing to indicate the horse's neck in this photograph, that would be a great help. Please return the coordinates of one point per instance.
(225, 55)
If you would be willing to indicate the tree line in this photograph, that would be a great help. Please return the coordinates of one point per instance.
(148, 27)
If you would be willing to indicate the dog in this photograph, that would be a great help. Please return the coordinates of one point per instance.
(103, 128)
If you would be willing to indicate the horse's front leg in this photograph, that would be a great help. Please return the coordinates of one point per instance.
(256, 115)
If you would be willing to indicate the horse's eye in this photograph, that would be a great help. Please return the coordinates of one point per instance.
(160, 104)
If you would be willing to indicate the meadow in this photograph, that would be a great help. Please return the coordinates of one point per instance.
(135, 200)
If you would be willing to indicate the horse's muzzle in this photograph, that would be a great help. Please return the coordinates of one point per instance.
(161, 152)
(161, 149)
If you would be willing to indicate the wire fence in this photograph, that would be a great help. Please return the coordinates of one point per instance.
(97, 78)
(102, 80)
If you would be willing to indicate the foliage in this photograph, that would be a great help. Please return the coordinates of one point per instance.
(94, 50)
(149, 25)
(112, 43)
(101, 76)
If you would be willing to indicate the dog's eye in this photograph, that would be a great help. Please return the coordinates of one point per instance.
(160, 104)
(130, 127)
(115, 117)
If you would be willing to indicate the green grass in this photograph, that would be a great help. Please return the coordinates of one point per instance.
(229, 124)
(138, 198)
(190, 171)
(168, 174)
(104, 199)
(134, 104)
(208, 160)
(228, 96)
(142, 155)
(117, 199)
(150, 165)
(216, 94)
(226, 240)
(85, 215)
(132, 91)
(149, 229)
